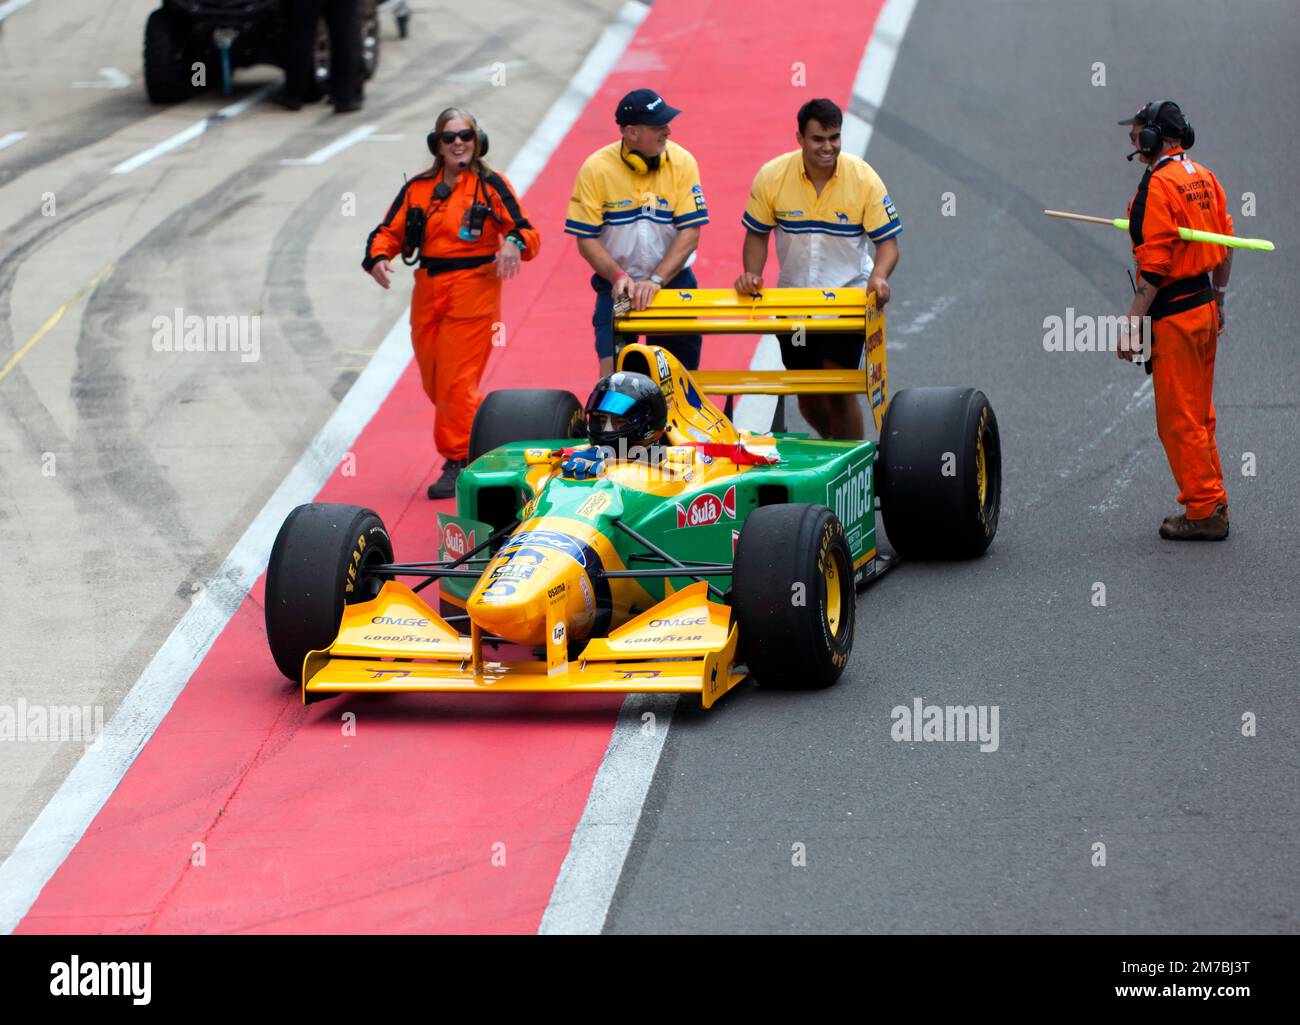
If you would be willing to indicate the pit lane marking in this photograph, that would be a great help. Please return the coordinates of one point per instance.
(109, 78)
(84, 791)
(8, 140)
(54, 318)
(585, 887)
(584, 890)
(334, 148)
(12, 7)
(195, 130)
(875, 71)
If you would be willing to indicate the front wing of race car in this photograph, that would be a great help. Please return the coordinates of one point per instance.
(396, 644)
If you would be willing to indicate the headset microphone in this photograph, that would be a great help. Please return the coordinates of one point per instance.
(1133, 154)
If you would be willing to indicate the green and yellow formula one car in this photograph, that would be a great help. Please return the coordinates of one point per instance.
(665, 552)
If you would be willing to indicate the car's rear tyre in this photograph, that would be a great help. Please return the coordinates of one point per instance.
(939, 474)
(318, 564)
(166, 73)
(793, 594)
(524, 414)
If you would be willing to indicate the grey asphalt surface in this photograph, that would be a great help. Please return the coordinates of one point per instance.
(1119, 725)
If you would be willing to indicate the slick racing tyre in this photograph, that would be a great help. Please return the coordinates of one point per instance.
(793, 593)
(524, 414)
(939, 474)
(166, 72)
(318, 564)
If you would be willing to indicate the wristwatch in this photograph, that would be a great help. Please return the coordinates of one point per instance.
(657, 280)
(519, 243)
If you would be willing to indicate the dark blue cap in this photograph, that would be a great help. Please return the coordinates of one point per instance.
(644, 107)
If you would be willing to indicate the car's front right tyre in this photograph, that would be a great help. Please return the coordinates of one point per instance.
(320, 562)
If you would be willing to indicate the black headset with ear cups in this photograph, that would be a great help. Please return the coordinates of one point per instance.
(1150, 134)
(640, 164)
(1149, 138)
(441, 190)
(431, 140)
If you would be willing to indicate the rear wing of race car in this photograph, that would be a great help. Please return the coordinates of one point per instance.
(810, 311)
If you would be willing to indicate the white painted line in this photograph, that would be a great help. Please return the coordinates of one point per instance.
(589, 876)
(11, 7)
(585, 886)
(1141, 396)
(75, 804)
(8, 140)
(582, 87)
(337, 146)
(109, 78)
(195, 130)
(754, 412)
(877, 66)
(387, 137)
(935, 308)
(486, 71)
(64, 820)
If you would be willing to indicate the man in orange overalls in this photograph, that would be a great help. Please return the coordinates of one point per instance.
(1181, 286)
(475, 233)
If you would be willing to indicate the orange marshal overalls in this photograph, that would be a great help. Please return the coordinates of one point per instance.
(1177, 192)
(456, 305)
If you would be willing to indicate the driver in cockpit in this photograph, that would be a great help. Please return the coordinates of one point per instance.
(625, 411)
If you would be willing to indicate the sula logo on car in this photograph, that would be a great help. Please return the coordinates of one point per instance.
(455, 542)
(707, 509)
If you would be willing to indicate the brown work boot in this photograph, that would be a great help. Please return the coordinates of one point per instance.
(1213, 528)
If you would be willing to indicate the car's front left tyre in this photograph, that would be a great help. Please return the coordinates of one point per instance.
(794, 597)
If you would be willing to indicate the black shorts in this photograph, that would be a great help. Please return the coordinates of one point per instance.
(843, 348)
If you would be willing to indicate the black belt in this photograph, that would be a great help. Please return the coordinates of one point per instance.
(1181, 295)
(443, 264)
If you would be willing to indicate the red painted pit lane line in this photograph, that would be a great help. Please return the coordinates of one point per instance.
(304, 829)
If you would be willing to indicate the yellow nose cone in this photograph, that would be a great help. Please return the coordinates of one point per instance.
(511, 598)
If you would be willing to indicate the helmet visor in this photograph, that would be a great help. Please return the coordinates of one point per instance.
(613, 402)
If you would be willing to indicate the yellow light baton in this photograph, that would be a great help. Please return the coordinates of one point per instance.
(1263, 245)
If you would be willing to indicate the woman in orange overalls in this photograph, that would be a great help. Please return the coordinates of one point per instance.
(475, 235)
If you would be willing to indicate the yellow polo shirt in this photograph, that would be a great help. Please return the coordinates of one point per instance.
(636, 216)
(821, 240)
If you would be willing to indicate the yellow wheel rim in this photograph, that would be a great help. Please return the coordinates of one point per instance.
(981, 474)
(833, 597)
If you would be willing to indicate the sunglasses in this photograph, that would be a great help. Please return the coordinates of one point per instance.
(464, 135)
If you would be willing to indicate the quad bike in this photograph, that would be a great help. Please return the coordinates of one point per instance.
(191, 44)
